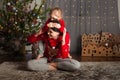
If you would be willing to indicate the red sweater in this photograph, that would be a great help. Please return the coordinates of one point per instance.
(62, 51)
(62, 23)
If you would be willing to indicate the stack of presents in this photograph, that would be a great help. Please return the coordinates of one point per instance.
(101, 44)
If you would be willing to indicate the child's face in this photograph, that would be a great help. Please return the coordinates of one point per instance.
(56, 15)
(53, 34)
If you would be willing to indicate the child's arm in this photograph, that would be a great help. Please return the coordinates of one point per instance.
(43, 29)
(66, 45)
(60, 26)
(39, 32)
(62, 23)
(63, 37)
(66, 42)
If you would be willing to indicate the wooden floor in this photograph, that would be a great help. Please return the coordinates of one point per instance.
(77, 57)
(95, 59)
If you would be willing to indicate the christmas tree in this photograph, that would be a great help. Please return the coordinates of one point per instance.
(18, 18)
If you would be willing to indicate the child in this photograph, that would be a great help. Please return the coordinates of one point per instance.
(56, 52)
(55, 14)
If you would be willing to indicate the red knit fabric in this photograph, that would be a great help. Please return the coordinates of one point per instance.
(63, 50)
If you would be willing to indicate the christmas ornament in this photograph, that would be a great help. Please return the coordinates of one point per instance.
(19, 20)
(8, 3)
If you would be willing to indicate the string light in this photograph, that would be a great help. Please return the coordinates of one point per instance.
(105, 7)
(104, 24)
(8, 3)
(73, 6)
(81, 6)
(89, 17)
(66, 11)
(113, 17)
(66, 6)
(104, 13)
(112, 7)
(74, 22)
(96, 11)
(98, 17)
(87, 12)
(105, 2)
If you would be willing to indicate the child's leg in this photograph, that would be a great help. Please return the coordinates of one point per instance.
(40, 65)
(68, 64)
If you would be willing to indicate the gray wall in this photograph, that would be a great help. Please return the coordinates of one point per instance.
(119, 11)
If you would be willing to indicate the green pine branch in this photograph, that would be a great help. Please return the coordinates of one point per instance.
(17, 22)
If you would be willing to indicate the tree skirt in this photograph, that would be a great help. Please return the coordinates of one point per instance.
(87, 71)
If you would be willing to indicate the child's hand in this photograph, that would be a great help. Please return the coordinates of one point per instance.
(53, 25)
(39, 56)
(36, 35)
(50, 24)
(64, 32)
(63, 38)
(56, 25)
(40, 32)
